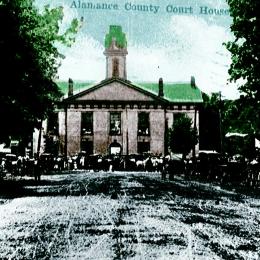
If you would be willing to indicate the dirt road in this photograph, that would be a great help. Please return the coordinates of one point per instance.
(87, 215)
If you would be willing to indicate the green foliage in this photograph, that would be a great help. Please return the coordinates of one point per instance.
(219, 117)
(182, 136)
(238, 117)
(242, 145)
(30, 62)
(245, 51)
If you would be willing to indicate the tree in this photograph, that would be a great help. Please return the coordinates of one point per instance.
(245, 52)
(238, 117)
(30, 59)
(210, 122)
(182, 136)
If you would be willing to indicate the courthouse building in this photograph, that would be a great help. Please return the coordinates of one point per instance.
(119, 116)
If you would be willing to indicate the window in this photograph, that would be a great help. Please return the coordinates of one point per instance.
(87, 123)
(143, 124)
(115, 123)
(53, 124)
(115, 68)
(51, 136)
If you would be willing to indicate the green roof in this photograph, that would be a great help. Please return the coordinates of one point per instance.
(175, 92)
(78, 86)
(115, 31)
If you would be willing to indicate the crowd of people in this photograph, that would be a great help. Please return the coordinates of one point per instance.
(46, 163)
(204, 167)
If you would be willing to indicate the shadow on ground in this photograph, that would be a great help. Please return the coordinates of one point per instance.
(110, 185)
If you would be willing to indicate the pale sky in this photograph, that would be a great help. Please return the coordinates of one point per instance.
(161, 42)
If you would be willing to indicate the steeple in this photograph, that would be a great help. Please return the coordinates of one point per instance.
(115, 52)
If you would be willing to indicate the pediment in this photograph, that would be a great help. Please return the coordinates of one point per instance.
(115, 91)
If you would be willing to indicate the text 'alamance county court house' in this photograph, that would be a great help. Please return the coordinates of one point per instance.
(118, 116)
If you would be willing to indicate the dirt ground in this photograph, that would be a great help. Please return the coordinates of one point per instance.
(98, 215)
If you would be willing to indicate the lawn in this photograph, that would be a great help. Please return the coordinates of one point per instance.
(98, 215)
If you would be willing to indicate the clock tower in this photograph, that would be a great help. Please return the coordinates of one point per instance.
(115, 52)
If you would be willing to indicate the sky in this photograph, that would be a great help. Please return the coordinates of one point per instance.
(172, 39)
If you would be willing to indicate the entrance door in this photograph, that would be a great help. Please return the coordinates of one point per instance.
(115, 148)
(143, 147)
(87, 146)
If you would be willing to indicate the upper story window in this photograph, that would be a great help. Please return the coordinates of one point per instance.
(115, 123)
(87, 123)
(143, 123)
(53, 124)
(115, 72)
